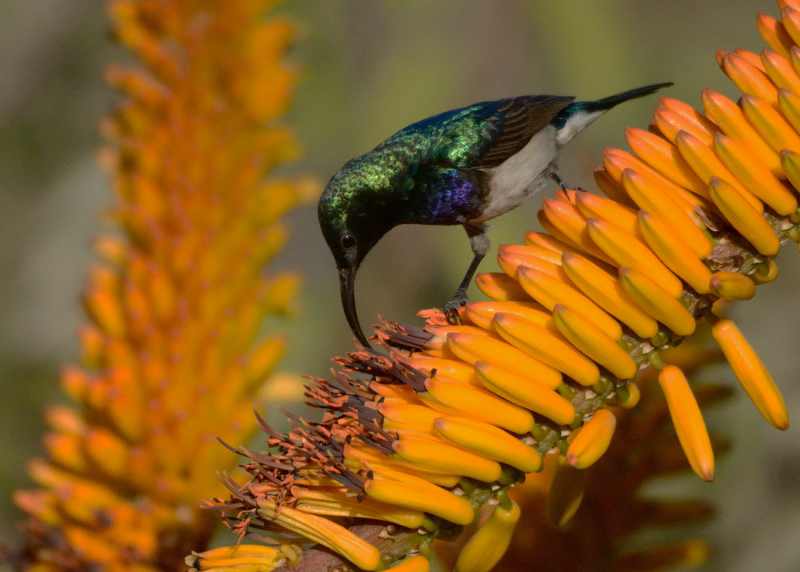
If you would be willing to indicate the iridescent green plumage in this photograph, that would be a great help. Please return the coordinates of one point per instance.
(415, 175)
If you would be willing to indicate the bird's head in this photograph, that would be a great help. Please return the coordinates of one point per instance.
(354, 213)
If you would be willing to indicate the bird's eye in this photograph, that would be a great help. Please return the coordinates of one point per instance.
(348, 241)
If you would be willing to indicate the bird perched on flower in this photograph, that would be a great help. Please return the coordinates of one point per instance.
(465, 166)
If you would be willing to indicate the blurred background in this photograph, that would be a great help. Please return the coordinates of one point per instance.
(371, 67)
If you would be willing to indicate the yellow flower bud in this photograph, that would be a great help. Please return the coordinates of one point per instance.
(749, 79)
(732, 286)
(673, 252)
(662, 156)
(730, 119)
(654, 300)
(627, 250)
(472, 349)
(544, 343)
(603, 288)
(527, 392)
(593, 342)
(774, 34)
(751, 373)
(657, 199)
(570, 223)
(325, 532)
(486, 547)
(753, 175)
(490, 442)
(499, 286)
(593, 206)
(411, 564)
(433, 454)
(482, 313)
(591, 440)
(417, 494)
(743, 217)
(476, 402)
(550, 292)
(688, 421)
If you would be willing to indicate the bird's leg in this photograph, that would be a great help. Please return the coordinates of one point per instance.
(479, 242)
(558, 180)
(553, 173)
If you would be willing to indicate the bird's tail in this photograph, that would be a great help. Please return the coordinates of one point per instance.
(613, 100)
(575, 117)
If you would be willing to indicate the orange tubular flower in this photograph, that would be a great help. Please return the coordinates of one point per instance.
(582, 520)
(172, 355)
(695, 215)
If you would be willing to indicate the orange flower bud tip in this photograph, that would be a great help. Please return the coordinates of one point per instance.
(749, 78)
(748, 221)
(791, 22)
(757, 178)
(688, 421)
(774, 34)
(592, 440)
(593, 206)
(451, 368)
(544, 344)
(416, 563)
(677, 256)
(604, 289)
(433, 454)
(593, 342)
(546, 241)
(750, 57)
(657, 302)
(478, 403)
(511, 261)
(489, 441)
(440, 334)
(482, 313)
(533, 251)
(527, 392)
(499, 286)
(751, 373)
(732, 286)
(627, 250)
(490, 350)
(721, 308)
(549, 291)
(421, 495)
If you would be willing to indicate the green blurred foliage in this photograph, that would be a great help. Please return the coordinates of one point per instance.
(371, 67)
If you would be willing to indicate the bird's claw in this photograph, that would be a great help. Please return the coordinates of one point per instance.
(558, 180)
(564, 186)
(452, 309)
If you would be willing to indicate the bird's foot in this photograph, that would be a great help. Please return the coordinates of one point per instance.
(452, 309)
(564, 186)
(558, 180)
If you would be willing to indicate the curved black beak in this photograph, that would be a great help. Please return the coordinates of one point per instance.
(347, 282)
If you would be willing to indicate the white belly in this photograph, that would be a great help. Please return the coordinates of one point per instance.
(521, 175)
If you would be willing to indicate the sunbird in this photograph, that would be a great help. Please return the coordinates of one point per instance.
(465, 166)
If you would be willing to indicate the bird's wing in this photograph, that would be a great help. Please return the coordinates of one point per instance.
(511, 125)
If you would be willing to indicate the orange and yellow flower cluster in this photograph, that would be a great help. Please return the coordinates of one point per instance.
(435, 432)
(173, 356)
(614, 500)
